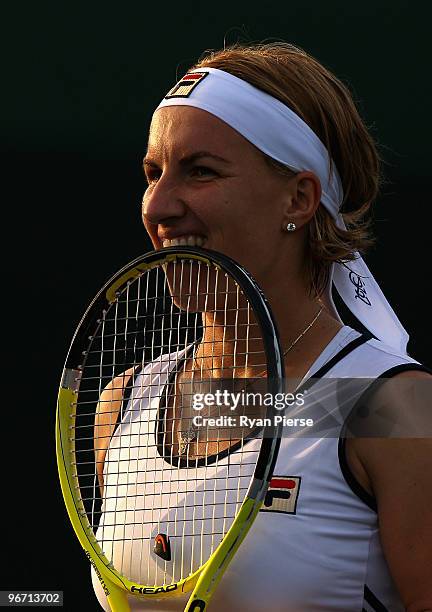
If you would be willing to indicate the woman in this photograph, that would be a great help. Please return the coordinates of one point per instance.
(259, 153)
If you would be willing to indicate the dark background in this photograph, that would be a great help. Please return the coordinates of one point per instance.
(79, 84)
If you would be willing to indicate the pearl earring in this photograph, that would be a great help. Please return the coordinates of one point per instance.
(291, 227)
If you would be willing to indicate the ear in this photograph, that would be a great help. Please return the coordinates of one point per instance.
(304, 199)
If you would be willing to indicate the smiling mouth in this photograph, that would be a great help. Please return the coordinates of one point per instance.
(189, 240)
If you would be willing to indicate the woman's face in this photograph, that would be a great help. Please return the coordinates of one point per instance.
(208, 186)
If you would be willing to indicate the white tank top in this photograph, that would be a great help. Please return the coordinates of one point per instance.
(315, 545)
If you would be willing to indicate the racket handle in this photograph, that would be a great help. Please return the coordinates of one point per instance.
(218, 562)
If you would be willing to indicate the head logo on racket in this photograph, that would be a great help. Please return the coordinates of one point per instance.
(162, 547)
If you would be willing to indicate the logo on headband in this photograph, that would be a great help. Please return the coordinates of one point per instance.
(186, 85)
(360, 291)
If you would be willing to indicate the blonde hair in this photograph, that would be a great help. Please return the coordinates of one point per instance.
(298, 80)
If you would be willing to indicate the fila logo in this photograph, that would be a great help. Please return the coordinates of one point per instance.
(186, 85)
(282, 495)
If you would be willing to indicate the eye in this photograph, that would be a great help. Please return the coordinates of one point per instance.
(203, 172)
(152, 174)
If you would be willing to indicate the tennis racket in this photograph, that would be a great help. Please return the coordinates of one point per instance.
(159, 502)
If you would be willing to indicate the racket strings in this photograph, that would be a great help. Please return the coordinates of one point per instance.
(150, 337)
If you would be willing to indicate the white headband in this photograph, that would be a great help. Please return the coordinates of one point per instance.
(282, 135)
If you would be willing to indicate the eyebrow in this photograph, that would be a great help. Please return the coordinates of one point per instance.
(189, 159)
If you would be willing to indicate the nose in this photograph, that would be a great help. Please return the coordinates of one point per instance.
(163, 201)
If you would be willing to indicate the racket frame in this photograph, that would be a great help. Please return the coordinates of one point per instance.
(204, 580)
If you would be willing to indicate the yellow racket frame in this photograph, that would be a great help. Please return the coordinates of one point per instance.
(115, 586)
(203, 581)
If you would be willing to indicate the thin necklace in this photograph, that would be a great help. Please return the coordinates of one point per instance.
(188, 436)
(292, 345)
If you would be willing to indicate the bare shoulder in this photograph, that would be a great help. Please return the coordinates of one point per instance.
(111, 398)
(107, 411)
(402, 410)
(396, 471)
(115, 389)
(414, 374)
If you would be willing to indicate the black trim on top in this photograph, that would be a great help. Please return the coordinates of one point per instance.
(346, 350)
(351, 346)
(373, 600)
(404, 367)
(126, 396)
(168, 391)
(350, 479)
(164, 402)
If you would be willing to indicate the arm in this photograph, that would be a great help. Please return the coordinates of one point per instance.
(107, 411)
(398, 472)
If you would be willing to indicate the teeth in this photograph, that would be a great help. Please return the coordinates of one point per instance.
(184, 241)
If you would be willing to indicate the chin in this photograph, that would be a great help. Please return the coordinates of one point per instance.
(195, 287)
